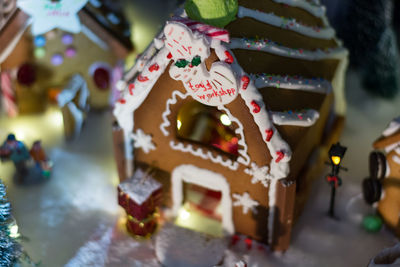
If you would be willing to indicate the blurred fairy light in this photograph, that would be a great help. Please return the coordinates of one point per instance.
(184, 214)
(55, 118)
(14, 231)
(225, 120)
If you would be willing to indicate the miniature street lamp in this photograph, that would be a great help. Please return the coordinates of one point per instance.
(336, 154)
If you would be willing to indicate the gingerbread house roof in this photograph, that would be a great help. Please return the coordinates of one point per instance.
(102, 23)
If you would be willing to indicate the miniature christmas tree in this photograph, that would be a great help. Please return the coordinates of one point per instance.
(10, 249)
(373, 48)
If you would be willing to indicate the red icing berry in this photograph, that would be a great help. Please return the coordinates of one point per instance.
(154, 67)
(26, 74)
(131, 87)
(235, 239)
(245, 80)
(280, 156)
(169, 56)
(122, 101)
(269, 133)
(249, 243)
(256, 107)
(101, 78)
(229, 57)
(142, 78)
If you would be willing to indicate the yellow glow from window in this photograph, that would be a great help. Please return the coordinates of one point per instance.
(14, 231)
(335, 160)
(178, 124)
(225, 120)
(184, 214)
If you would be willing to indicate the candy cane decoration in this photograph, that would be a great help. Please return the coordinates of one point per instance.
(9, 99)
(210, 31)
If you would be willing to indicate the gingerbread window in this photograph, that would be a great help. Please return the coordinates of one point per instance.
(208, 126)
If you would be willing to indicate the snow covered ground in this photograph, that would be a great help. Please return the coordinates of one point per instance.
(74, 220)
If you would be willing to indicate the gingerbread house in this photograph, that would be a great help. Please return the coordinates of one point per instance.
(202, 111)
(32, 64)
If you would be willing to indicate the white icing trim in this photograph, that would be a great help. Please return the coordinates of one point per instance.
(268, 46)
(167, 112)
(287, 23)
(315, 9)
(396, 159)
(338, 83)
(78, 116)
(393, 127)
(391, 147)
(77, 84)
(94, 37)
(8, 50)
(302, 119)
(207, 179)
(318, 85)
(271, 211)
(199, 152)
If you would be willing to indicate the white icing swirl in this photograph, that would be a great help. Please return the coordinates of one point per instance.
(303, 118)
(317, 85)
(287, 23)
(268, 46)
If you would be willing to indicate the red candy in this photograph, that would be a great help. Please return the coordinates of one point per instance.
(122, 101)
(154, 67)
(245, 79)
(269, 133)
(142, 78)
(26, 74)
(235, 239)
(229, 57)
(169, 56)
(101, 78)
(131, 87)
(256, 107)
(249, 243)
(280, 156)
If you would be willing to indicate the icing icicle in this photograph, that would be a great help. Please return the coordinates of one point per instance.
(269, 46)
(317, 85)
(287, 23)
(315, 9)
(303, 118)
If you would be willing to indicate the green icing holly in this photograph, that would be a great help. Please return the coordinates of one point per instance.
(372, 223)
(213, 12)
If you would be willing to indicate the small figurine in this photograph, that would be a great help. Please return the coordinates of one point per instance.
(384, 168)
(336, 154)
(17, 152)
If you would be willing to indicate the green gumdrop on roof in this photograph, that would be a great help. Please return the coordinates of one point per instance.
(372, 223)
(213, 12)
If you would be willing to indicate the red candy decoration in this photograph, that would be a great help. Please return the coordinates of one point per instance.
(142, 78)
(245, 79)
(26, 74)
(249, 243)
(169, 56)
(269, 133)
(229, 57)
(122, 101)
(101, 78)
(256, 107)
(154, 67)
(131, 87)
(280, 156)
(235, 239)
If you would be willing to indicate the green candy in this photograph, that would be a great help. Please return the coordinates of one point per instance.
(372, 223)
(213, 12)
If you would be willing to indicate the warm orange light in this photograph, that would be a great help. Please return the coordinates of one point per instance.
(335, 160)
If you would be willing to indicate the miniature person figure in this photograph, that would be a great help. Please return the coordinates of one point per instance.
(17, 152)
(336, 154)
(39, 156)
